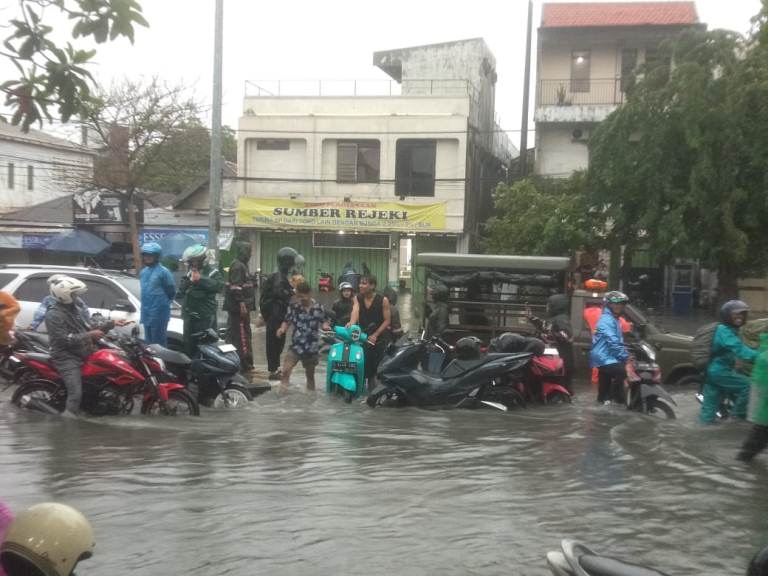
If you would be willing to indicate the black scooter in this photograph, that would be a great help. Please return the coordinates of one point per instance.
(645, 393)
(575, 559)
(461, 384)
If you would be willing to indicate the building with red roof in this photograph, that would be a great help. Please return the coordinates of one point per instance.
(588, 53)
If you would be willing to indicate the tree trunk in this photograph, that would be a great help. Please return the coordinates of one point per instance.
(727, 282)
(134, 232)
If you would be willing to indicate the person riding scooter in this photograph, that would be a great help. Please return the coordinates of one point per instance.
(722, 376)
(197, 292)
(49, 301)
(47, 539)
(608, 354)
(342, 308)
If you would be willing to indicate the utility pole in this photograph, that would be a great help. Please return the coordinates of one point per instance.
(214, 215)
(526, 93)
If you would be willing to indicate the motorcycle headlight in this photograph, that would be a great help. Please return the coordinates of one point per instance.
(650, 352)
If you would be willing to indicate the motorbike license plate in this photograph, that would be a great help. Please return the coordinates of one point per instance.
(227, 348)
(347, 367)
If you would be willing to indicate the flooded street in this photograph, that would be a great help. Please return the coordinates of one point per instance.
(308, 485)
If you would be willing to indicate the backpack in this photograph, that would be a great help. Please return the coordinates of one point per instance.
(701, 350)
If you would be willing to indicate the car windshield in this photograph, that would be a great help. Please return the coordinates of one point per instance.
(133, 285)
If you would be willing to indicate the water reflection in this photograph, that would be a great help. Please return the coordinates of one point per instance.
(308, 485)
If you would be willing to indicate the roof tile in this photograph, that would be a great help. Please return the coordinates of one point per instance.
(604, 14)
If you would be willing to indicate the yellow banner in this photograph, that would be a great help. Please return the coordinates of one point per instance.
(371, 216)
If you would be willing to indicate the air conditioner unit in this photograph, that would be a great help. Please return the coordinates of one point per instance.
(580, 135)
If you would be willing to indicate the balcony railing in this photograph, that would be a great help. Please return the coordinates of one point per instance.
(591, 92)
(408, 87)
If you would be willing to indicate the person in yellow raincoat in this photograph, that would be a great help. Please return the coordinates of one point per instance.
(9, 309)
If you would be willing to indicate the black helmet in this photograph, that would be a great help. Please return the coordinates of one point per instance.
(758, 566)
(731, 307)
(440, 293)
(557, 304)
(286, 256)
(468, 348)
(508, 343)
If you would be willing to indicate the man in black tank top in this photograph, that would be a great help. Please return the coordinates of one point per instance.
(371, 312)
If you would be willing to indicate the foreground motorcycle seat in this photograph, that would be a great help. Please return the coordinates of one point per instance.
(169, 356)
(602, 566)
(426, 379)
(45, 358)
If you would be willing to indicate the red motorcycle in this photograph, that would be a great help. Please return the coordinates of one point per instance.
(324, 281)
(112, 377)
(540, 381)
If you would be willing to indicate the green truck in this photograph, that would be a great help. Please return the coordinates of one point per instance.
(489, 295)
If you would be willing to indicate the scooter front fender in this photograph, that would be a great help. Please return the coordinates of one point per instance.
(647, 390)
(163, 388)
(346, 381)
(549, 387)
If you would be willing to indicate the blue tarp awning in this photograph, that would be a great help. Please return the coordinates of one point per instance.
(78, 242)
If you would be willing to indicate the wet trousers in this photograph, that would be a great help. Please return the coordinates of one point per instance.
(239, 334)
(610, 383)
(71, 370)
(274, 345)
(156, 329)
(756, 442)
(716, 386)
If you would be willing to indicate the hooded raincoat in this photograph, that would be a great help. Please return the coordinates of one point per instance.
(607, 341)
(157, 291)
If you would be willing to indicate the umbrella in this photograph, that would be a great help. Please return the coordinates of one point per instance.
(173, 245)
(78, 242)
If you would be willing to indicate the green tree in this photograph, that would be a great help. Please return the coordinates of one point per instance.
(183, 160)
(682, 165)
(53, 75)
(543, 216)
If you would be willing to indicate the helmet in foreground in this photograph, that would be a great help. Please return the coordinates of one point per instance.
(152, 248)
(67, 289)
(48, 540)
(195, 254)
(616, 297)
(345, 286)
(468, 348)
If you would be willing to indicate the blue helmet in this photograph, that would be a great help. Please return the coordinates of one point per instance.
(152, 248)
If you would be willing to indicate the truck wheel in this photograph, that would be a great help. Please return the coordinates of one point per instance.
(689, 381)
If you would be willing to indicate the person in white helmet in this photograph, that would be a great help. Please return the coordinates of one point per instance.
(47, 539)
(71, 338)
(49, 301)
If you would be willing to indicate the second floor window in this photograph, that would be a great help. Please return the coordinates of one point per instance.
(580, 71)
(30, 177)
(358, 161)
(11, 175)
(415, 168)
(628, 66)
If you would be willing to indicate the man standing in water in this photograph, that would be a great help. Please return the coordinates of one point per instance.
(238, 302)
(608, 354)
(371, 312)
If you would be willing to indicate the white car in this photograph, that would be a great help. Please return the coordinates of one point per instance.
(115, 295)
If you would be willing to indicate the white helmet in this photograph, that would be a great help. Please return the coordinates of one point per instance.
(47, 539)
(67, 289)
(55, 279)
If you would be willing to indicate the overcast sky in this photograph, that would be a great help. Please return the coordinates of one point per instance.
(334, 39)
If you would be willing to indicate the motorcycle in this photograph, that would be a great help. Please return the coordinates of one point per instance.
(644, 391)
(12, 370)
(213, 373)
(324, 281)
(112, 376)
(575, 559)
(461, 384)
(345, 371)
(540, 382)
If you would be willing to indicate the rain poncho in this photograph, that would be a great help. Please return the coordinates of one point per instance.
(157, 291)
(607, 341)
(758, 409)
(198, 303)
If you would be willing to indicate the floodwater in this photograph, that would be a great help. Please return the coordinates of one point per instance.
(304, 484)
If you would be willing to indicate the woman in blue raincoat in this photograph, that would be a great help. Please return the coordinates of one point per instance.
(157, 291)
(608, 354)
(722, 376)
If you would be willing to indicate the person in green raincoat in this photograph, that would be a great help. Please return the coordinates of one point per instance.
(722, 376)
(757, 440)
(197, 294)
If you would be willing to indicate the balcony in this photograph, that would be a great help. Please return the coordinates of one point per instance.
(589, 100)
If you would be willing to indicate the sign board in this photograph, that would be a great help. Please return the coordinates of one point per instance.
(98, 207)
(35, 241)
(367, 216)
(201, 234)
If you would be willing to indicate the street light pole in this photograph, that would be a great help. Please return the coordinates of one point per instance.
(526, 93)
(214, 215)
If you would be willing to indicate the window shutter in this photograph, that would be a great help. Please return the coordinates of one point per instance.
(346, 170)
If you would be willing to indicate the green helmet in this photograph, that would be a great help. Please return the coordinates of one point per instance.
(616, 297)
(196, 252)
(50, 537)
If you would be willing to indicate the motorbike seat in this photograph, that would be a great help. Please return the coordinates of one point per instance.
(169, 356)
(426, 379)
(36, 337)
(602, 566)
(45, 358)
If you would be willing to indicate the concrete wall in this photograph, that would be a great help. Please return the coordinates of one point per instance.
(55, 173)
(557, 154)
(314, 126)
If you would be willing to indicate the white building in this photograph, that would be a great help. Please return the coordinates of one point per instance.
(347, 175)
(36, 167)
(587, 53)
